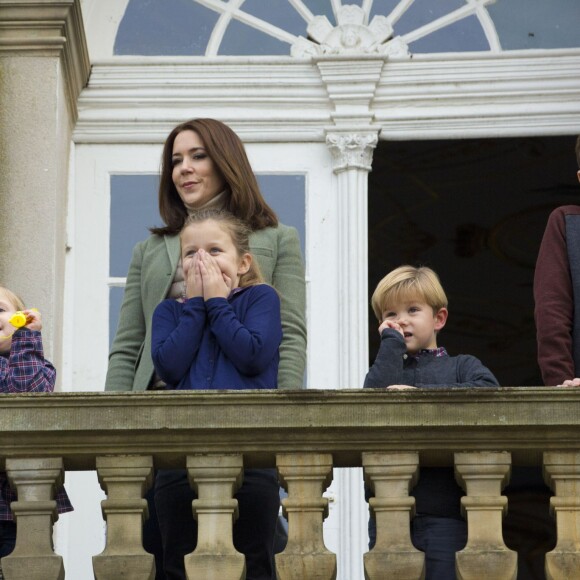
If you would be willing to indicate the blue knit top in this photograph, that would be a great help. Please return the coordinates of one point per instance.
(219, 343)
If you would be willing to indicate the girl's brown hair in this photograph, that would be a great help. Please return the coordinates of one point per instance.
(239, 231)
(228, 154)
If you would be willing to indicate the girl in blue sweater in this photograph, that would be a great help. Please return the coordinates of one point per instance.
(223, 333)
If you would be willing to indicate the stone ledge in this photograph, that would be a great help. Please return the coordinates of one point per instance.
(171, 425)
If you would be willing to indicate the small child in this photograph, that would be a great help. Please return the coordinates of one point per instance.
(411, 307)
(223, 334)
(23, 369)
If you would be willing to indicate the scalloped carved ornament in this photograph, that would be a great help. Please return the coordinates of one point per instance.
(352, 150)
(351, 36)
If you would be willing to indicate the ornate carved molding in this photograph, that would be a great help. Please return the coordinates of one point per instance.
(352, 150)
(37, 28)
(132, 100)
(350, 36)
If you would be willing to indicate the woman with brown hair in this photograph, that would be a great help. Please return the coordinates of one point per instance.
(204, 165)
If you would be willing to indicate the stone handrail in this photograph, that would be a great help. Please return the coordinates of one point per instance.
(124, 436)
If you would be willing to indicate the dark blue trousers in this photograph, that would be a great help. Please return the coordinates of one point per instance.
(439, 538)
(258, 502)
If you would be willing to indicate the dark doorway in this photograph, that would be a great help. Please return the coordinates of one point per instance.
(474, 210)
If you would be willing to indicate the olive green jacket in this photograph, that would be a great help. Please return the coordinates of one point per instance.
(151, 273)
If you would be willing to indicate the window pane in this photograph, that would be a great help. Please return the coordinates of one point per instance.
(523, 24)
(280, 13)
(165, 27)
(320, 8)
(382, 7)
(241, 39)
(422, 12)
(134, 209)
(465, 35)
(285, 194)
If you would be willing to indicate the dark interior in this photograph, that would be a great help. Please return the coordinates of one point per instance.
(474, 210)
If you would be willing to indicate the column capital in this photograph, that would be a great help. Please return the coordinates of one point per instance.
(352, 149)
(48, 28)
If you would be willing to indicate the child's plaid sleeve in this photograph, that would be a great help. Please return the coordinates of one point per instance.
(26, 370)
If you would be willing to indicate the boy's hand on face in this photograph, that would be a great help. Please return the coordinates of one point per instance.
(35, 319)
(391, 324)
(399, 387)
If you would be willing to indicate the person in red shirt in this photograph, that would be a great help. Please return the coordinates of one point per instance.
(556, 292)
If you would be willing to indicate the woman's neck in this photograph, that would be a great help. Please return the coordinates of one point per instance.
(218, 201)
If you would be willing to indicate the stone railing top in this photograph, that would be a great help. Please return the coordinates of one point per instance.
(171, 425)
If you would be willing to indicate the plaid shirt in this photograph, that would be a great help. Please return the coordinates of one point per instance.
(436, 352)
(25, 370)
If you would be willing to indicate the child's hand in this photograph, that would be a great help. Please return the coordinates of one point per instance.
(215, 284)
(400, 387)
(391, 324)
(194, 281)
(35, 319)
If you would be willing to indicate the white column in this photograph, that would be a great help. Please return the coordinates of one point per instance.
(352, 157)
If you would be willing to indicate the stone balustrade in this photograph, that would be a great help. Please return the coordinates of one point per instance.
(305, 434)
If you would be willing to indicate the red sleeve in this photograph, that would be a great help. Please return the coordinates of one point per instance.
(554, 301)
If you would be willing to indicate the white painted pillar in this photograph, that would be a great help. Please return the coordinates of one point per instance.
(352, 157)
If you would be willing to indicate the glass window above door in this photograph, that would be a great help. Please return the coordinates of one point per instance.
(259, 28)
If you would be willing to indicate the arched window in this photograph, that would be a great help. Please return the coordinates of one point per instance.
(255, 27)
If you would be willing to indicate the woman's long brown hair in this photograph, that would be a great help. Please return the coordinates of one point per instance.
(228, 154)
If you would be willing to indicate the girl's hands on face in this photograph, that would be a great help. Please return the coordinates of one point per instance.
(391, 324)
(194, 281)
(215, 283)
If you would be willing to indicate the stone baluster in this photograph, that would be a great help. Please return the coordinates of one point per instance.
(562, 474)
(391, 476)
(35, 481)
(483, 475)
(215, 478)
(125, 479)
(305, 477)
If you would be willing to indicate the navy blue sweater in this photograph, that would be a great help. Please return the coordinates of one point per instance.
(437, 492)
(219, 343)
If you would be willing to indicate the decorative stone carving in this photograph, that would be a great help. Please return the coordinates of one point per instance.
(352, 150)
(391, 476)
(483, 474)
(125, 479)
(33, 557)
(351, 36)
(562, 474)
(305, 476)
(215, 477)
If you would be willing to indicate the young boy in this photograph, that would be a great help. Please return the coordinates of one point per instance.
(23, 369)
(411, 307)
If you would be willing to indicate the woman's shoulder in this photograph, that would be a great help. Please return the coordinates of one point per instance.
(155, 240)
(273, 235)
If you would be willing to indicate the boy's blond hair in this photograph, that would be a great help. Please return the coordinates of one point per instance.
(15, 300)
(408, 283)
